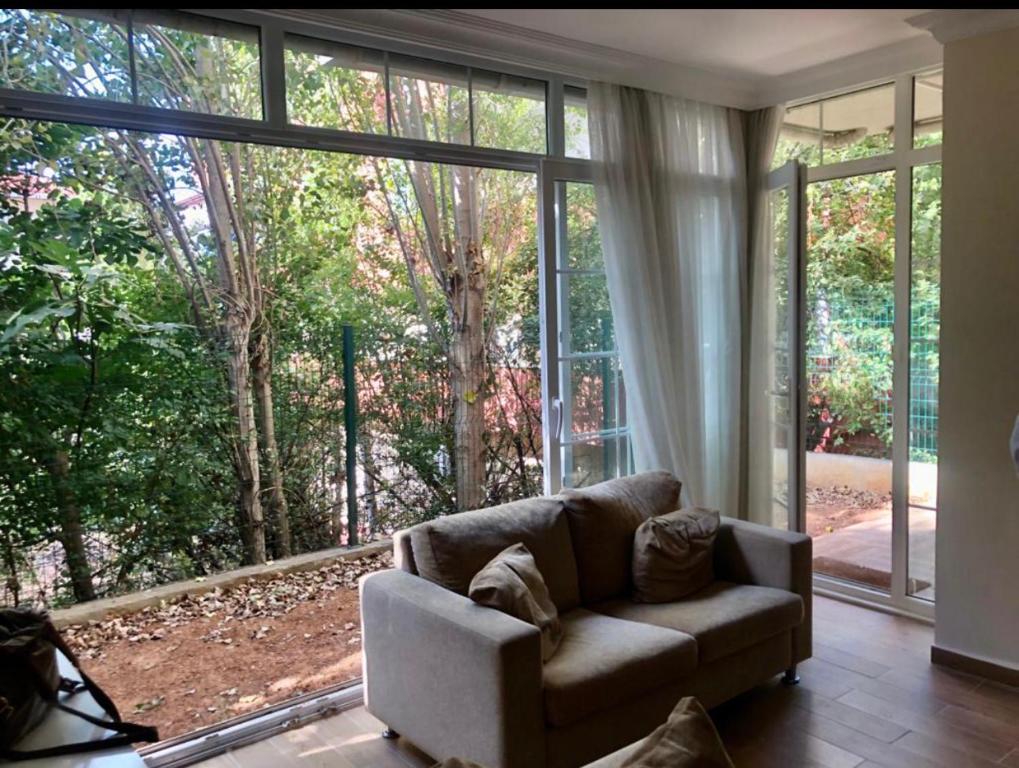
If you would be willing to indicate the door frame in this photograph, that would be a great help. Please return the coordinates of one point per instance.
(901, 160)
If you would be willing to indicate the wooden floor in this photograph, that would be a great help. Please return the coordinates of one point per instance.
(868, 698)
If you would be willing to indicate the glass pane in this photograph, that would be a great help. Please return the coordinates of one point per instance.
(927, 109)
(596, 395)
(589, 462)
(509, 112)
(430, 100)
(850, 315)
(197, 64)
(858, 124)
(71, 55)
(776, 374)
(583, 240)
(800, 136)
(590, 316)
(924, 335)
(330, 85)
(578, 140)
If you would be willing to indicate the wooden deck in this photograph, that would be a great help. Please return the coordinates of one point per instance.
(868, 698)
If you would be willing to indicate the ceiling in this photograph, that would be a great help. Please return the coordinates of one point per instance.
(744, 58)
(747, 42)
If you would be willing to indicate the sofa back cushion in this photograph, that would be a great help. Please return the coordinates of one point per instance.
(602, 521)
(451, 550)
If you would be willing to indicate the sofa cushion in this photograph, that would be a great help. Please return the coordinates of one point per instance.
(603, 518)
(511, 583)
(723, 617)
(450, 550)
(672, 555)
(603, 661)
(688, 739)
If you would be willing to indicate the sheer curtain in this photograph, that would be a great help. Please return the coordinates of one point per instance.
(670, 188)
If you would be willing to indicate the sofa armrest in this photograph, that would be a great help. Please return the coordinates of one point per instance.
(748, 553)
(456, 678)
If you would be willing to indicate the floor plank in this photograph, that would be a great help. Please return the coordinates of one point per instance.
(868, 699)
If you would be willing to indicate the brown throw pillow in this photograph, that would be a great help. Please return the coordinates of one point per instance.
(672, 555)
(457, 762)
(688, 739)
(512, 583)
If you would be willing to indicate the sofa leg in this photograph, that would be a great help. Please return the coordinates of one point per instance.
(790, 677)
(389, 733)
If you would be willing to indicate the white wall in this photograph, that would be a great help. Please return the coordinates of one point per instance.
(978, 519)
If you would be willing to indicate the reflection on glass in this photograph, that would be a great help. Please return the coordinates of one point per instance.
(858, 124)
(924, 335)
(509, 112)
(778, 377)
(430, 100)
(800, 136)
(850, 308)
(330, 85)
(196, 64)
(927, 109)
(589, 462)
(578, 140)
(66, 54)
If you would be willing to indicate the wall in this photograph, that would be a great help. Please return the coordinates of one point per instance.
(978, 519)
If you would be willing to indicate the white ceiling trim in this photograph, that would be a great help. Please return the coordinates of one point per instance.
(949, 25)
(475, 36)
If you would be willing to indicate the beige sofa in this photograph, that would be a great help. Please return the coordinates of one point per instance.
(458, 679)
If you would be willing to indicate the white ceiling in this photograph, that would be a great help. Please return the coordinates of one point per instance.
(743, 58)
(755, 43)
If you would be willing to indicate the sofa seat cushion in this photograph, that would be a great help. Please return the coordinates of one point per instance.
(450, 550)
(603, 661)
(723, 617)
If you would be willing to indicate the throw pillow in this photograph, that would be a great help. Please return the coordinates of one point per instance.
(512, 583)
(688, 739)
(672, 555)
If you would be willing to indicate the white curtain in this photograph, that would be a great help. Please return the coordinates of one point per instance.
(670, 187)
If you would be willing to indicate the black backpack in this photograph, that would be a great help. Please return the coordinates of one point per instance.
(31, 684)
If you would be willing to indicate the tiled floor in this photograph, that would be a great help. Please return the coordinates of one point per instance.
(868, 698)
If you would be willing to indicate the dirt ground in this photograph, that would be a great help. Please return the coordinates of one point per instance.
(199, 661)
(831, 509)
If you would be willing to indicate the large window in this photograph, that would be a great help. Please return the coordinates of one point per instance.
(217, 353)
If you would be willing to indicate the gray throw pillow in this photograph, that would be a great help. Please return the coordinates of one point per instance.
(512, 583)
(672, 555)
(688, 739)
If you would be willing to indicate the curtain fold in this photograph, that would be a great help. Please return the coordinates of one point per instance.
(670, 188)
(766, 273)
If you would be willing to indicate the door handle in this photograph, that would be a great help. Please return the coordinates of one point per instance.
(558, 414)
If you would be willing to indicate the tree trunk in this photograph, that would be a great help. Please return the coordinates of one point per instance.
(261, 366)
(467, 380)
(249, 505)
(71, 535)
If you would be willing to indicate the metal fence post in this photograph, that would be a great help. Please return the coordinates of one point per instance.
(350, 430)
